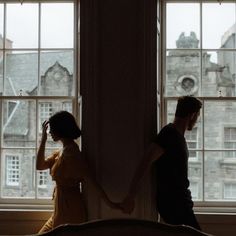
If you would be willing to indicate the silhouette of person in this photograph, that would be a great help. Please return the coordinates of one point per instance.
(68, 169)
(168, 154)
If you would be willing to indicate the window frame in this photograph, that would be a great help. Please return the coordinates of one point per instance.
(202, 206)
(75, 99)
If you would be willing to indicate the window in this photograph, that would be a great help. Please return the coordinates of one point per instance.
(45, 110)
(191, 139)
(67, 106)
(12, 170)
(230, 191)
(230, 141)
(11, 107)
(43, 179)
(199, 60)
(38, 77)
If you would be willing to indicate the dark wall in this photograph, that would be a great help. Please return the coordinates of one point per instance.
(118, 87)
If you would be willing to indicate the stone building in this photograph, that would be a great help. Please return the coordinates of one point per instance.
(184, 77)
(20, 135)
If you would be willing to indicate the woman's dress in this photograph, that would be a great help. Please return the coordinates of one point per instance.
(69, 204)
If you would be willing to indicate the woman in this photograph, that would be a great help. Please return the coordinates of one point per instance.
(68, 169)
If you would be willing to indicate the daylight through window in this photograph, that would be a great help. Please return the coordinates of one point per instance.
(200, 54)
(38, 77)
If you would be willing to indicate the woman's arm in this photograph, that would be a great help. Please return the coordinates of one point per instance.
(41, 163)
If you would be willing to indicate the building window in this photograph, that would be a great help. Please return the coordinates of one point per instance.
(11, 107)
(43, 179)
(230, 142)
(199, 60)
(12, 170)
(67, 106)
(38, 77)
(191, 139)
(45, 111)
(230, 191)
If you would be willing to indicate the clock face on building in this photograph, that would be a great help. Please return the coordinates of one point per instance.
(187, 85)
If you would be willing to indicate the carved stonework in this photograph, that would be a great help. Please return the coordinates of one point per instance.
(187, 85)
(187, 41)
(57, 81)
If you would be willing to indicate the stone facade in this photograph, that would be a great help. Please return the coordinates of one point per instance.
(210, 168)
(20, 134)
(215, 131)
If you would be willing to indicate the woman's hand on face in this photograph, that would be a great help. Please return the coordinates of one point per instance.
(44, 130)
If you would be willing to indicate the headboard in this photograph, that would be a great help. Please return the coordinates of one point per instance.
(123, 227)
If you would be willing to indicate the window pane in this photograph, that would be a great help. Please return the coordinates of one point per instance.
(230, 191)
(218, 115)
(57, 25)
(195, 176)
(46, 109)
(17, 178)
(183, 21)
(56, 73)
(218, 73)
(22, 25)
(67, 106)
(190, 136)
(45, 185)
(214, 17)
(18, 127)
(21, 76)
(217, 172)
(182, 73)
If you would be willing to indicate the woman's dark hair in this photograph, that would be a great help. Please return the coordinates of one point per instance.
(187, 105)
(64, 125)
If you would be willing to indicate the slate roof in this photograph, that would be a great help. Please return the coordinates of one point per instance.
(21, 75)
(22, 68)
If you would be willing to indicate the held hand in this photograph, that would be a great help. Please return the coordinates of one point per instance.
(115, 205)
(44, 130)
(128, 205)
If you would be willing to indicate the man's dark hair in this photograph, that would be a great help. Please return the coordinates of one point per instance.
(64, 125)
(187, 105)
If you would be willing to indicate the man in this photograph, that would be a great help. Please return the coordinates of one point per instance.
(169, 154)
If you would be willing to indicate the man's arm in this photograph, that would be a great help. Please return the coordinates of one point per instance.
(152, 154)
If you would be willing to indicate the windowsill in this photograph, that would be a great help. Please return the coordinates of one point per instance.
(26, 207)
(215, 210)
(199, 209)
